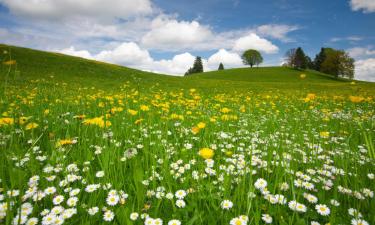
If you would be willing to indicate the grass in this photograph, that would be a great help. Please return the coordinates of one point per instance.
(135, 137)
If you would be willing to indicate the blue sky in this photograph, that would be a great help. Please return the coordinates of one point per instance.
(165, 36)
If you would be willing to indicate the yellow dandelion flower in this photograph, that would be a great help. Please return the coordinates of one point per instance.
(206, 153)
(356, 99)
(6, 121)
(132, 112)
(324, 134)
(201, 125)
(302, 76)
(31, 126)
(144, 108)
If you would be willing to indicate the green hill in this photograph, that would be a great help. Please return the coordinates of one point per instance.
(33, 64)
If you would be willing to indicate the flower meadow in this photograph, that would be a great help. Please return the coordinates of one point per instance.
(82, 155)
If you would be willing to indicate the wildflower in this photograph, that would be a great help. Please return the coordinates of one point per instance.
(356, 99)
(64, 142)
(58, 199)
(267, 218)
(31, 126)
(6, 121)
(226, 204)
(112, 200)
(322, 210)
(324, 134)
(237, 221)
(32, 221)
(174, 222)
(108, 215)
(98, 121)
(359, 222)
(180, 203)
(92, 211)
(99, 174)
(260, 183)
(132, 112)
(314, 223)
(206, 153)
(144, 108)
(180, 194)
(134, 216)
(72, 201)
(302, 76)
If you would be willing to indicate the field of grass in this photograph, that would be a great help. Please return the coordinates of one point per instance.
(83, 142)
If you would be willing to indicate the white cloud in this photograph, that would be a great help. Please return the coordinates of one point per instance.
(350, 38)
(367, 6)
(229, 59)
(128, 54)
(365, 69)
(276, 31)
(360, 52)
(58, 9)
(131, 55)
(72, 51)
(168, 33)
(253, 41)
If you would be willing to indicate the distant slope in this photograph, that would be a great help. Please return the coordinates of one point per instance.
(269, 74)
(33, 64)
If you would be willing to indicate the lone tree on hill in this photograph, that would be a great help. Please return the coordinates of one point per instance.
(252, 57)
(221, 67)
(197, 66)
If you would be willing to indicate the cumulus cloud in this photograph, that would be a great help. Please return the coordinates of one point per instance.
(169, 33)
(57, 9)
(229, 59)
(253, 41)
(365, 69)
(79, 53)
(131, 55)
(361, 52)
(366, 6)
(276, 31)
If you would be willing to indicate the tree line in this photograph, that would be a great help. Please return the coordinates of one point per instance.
(331, 61)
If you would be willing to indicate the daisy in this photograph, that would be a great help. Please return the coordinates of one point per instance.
(260, 183)
(226, 204)
(58, 199)
(174, 222)
(180, 194)
(180, 203)
(112, 200)
(108, 215)
(134, 216)
(267, 218)
(322, 210)
(92, 211)
(237, 221)
(359, 222)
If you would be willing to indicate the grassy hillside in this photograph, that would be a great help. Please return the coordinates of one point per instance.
(84, 142)
(33, 64)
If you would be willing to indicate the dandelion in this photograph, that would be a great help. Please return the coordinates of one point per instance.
(31, 126)
(206, 153)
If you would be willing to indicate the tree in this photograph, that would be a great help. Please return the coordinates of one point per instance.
(290, 57)
(309, 63)
(319, 58)
(300, 59)
(221, 67)
(252, 57)
(197, 66)
(337, 63)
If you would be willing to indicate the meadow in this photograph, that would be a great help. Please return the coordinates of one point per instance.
(83, 142)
